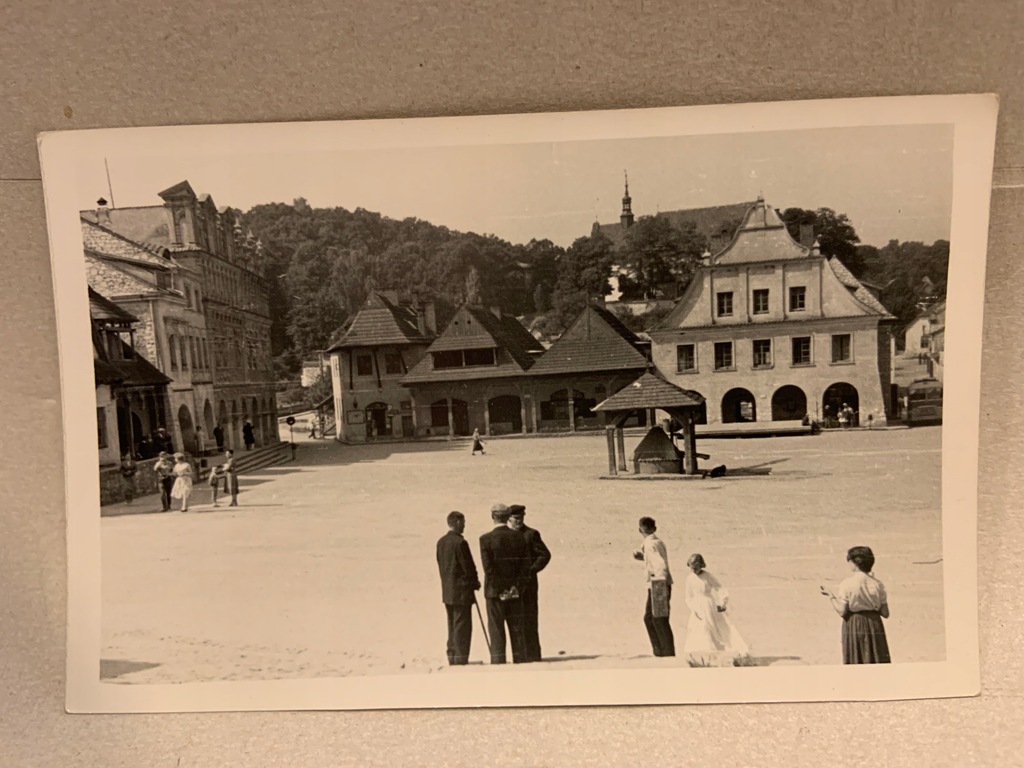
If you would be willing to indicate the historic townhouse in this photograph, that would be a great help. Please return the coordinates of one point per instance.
(771, 330)
(219, 284)
(474, 376)
(385, 340)
(169, 328)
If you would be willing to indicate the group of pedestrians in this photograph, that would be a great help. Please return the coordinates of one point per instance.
(176, 479)
(512, 554)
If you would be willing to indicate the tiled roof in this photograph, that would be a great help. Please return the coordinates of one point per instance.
(595, 341)
(138, 371)
(474, 327)
(717, 223)
(862, 294)
(102, 308)
(106, 242)
(110, 280)
(761, 237)
(381, 322)
(650, 391)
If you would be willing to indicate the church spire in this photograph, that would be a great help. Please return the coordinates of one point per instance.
(626, 218)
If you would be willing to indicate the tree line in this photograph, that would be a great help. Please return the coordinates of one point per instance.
(322, 263)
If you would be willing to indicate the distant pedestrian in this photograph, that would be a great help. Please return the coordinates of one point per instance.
(862, 601)
(654, 555)
(540, 556)
(164, 469)
(506, 563)
(230, 477)
(843, 416)
(200, 442)
(478, 444)
(182, 480)
(459, 580)
(128, 470)
(218, 436)
(248, 435)
(163, 440)
(710, 635)
(312, 429)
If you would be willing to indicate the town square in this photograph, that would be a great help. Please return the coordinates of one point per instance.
(326, 568)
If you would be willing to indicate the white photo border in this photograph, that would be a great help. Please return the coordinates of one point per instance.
(973, 118)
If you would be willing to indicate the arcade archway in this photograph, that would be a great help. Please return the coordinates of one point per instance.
(789, 403)
(738, 405)
(839, 395)
(505, 414)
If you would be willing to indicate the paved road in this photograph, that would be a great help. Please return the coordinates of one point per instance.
(327, 567)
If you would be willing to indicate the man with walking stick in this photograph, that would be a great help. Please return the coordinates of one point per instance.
(506, 562)
(458, 582)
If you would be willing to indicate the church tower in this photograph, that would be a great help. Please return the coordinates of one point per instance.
(626, 218)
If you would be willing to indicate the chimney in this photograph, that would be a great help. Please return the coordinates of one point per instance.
(102, 213)
(807, 235)
(429, 314)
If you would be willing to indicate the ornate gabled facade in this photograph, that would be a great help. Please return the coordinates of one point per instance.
(474, 376)
(771, 330)
(222, 332)
(384, 342)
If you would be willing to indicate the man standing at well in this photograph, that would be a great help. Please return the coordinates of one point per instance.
(659, 589)
(458, 582)
(540, 556)
(506, 562)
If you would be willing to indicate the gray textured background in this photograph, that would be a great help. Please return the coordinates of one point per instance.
(145, 63)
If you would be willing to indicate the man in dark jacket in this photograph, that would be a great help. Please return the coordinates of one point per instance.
(506, 562)
(540, 556)
(458, 581)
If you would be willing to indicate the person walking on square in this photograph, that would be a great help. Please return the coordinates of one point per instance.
(540, 556)
(506, 563)
(230, 476)
(165, 475)
(710, 634)
(128, 470)
(862, 602)
(248, 435)
(478, 444)
(659, 589)
(182, 480)
(459, 580)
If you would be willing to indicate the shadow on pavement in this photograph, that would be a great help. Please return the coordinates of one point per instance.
(111, 668)
(569, 658)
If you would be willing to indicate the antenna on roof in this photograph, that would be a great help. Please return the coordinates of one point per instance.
(110, 189)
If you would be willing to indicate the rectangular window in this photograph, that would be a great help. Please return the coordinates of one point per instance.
(801, 350)
(686, 358)
(725, 303)
(762, 353)
(761, 301)
(842, 348)
(393, 363)
(797, 298)
(448, 359)
(364, 365)
(172, 343)
(184, 353)
(723, 356)
(479, 356)
(101, 425)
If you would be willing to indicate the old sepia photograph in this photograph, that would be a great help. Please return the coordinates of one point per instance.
(632, 407)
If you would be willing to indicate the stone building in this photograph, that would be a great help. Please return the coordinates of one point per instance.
(384, 342)
(475, 375)
(223, 329)
(771, 330)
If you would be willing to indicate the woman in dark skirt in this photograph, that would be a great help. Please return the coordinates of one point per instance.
(862, 602)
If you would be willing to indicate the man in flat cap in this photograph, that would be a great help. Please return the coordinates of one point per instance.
(458, 582)
(506, 563)
(540, 556)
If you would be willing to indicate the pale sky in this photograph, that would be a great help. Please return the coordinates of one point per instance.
(894, 182)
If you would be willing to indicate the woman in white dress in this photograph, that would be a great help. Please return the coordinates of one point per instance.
(182, 480)
(711, 637)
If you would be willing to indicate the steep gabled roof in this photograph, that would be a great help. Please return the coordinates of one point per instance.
(650, 391)
(474, 327)
(109, 244)
(862, 294)
(381, 322)
(595, 341)
(103, 309)
(137, 371)
(761, 237)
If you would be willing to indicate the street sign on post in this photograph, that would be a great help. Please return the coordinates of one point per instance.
(290, 421)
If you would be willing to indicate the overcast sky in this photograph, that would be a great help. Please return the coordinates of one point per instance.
(894, 182)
